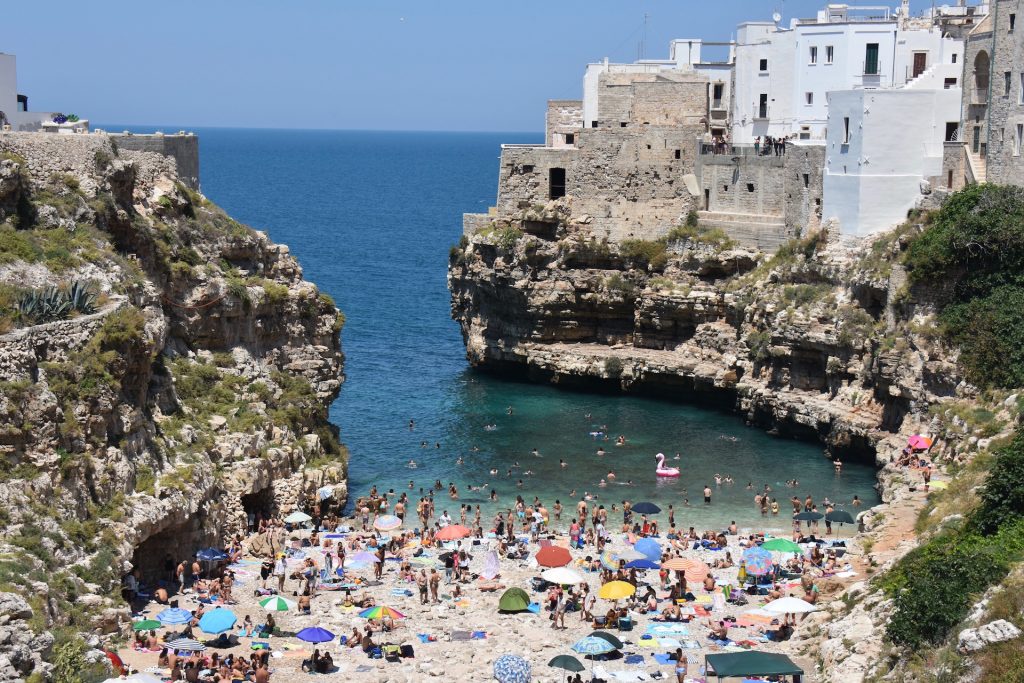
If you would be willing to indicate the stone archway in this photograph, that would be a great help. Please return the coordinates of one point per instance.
(982, 72)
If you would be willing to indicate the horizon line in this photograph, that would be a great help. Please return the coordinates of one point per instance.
(109, 127)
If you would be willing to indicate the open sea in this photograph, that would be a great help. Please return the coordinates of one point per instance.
(371, 216)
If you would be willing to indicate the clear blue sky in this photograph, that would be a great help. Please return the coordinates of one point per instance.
(471, 65)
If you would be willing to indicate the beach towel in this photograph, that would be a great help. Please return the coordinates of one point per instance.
(461, 635)
(479, 635)
(662, 659)
(534, 607)
(635, 659)
(669, 643)
(646, 642)
(667, 629)
(426, 638)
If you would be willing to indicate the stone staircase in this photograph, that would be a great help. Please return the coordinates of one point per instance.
(758, 231)
(979, 169)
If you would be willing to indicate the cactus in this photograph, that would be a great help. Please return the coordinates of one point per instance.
(43, 306)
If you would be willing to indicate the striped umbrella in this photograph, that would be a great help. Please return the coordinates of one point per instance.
(173, 616)
(609, 561)
(695, 569)
(758, 561)
(387, 523)
(275, 603)
(186, 645)
(381, 611)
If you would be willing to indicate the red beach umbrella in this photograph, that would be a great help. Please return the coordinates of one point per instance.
(553, 556)
(452, 532)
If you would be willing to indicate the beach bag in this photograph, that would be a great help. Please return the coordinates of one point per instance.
(407, 651)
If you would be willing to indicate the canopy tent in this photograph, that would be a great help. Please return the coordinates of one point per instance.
(750, 663)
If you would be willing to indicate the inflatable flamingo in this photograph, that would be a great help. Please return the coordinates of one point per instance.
(663, 471)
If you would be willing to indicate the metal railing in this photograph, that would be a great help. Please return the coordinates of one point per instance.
(745, 149)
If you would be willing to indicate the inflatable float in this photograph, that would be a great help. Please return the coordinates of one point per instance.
(663, 471)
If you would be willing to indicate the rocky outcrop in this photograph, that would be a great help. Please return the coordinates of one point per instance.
(203, 376)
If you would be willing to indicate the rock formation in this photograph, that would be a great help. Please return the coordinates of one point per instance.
(195, 370)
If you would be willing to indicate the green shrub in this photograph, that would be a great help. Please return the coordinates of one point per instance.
(507, 237)
(617, 283)
(276, 293)
(644, 254)
(974, 252)
(804, 294)
(692, 218)
(613, 366)
(760, 345)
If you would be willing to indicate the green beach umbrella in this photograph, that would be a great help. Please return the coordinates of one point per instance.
(514, 600)
(275, 603)
(781, 545)
(146, 625)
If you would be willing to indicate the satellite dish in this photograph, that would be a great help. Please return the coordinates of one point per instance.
(776, 17)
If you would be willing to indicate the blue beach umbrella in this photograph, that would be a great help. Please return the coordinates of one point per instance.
(757, 560)
(511, 669)
(174, 616)
(643, 563)
(315, 634)
(211, 555)
(592, 645)
(217, 621)
(646, 509)
(649, 547)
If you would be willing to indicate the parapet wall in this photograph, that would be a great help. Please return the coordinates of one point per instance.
(563, 117)
(184, 149)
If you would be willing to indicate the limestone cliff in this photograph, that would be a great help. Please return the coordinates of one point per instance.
(159, 362)
(821, 340)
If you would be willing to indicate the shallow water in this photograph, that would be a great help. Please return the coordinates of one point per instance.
(371, 216)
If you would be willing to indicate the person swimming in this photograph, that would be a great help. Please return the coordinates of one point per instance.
(490, 427)
(411, 465)
(535, 453)
(494, 471)
(600, 450)
(610, 476)
(459, 461)
(603, 483)
(562, 463)
(620, 441)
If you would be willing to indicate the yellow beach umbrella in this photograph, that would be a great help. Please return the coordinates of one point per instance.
(616, 590)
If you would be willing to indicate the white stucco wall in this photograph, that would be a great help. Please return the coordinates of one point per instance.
(896, 141)
(8, 85)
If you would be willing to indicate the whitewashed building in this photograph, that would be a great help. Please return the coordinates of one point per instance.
(783, 74)
(14, 111)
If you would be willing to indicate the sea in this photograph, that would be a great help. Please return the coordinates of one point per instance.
(371, 216)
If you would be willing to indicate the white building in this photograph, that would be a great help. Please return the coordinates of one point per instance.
(14, 106)
(783, 74)
(883, 147)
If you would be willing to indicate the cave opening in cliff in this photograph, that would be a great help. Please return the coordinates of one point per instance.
(258, 505)
(157, 556)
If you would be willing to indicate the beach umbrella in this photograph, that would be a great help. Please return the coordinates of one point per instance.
(315, 634)
(514, 600)
(567, 663)
(592, 645)
(387, 523)
(563, 576)
(173, 616)
(649, 547)
(643, 563)
(275, 603)
(553, 556)
(186, 645)
(492, 566)
(629, 554)
(381, 611)
(217, 621)
(789, 605)
(609, 560)
(646, 509)
(211, 555)
(616, 643)
(452, 532)
(616, 590)
(511, 669)
(757, 561)
(146, 625)
(808, 516)
(297, 518)
(839, 516)
(919, 443)
(781, 545)
(362, 557)
(695, 569)
(325, 492)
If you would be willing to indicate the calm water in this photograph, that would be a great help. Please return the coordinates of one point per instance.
(371, 216)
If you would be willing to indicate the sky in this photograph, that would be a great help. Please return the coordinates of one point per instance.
(458, 65)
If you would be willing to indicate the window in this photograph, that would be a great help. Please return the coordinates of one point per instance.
(556, 183)
(1016, 143)
(949, 180)
(570, 138)
(830, 53)
(593, 124)
(814, 54)
(949, 83)
(678, 154)
(763, 65)
(762, 106)
(622, 124)
(1006, 83)
(846, 130)
(871, 60)
(809, 97)
(807, 180)
(952, 128)
(527, 168)
(954, 58)
(725, 188)
(750, 187)
(1013, 22)
(1020, 94)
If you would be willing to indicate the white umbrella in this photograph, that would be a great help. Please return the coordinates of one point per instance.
(629, 554)
(297, 518)
(789, 606)
(562, 576)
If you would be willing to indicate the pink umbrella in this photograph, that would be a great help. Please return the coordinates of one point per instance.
(919, 443)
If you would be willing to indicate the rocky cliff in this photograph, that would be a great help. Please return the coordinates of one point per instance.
(821, 340)
(162, 366)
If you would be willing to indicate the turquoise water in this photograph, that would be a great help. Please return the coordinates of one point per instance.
(371, 216)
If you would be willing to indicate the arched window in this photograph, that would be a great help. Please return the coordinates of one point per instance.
(982, 67)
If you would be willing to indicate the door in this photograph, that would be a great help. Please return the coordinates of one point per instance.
(871, 60)
(762, 106)
(976, 143)
(707, 200)
(556, 183)
(920, 63)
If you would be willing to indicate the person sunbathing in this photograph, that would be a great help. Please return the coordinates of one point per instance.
(354, 640)
(672, 613)
(719, 631)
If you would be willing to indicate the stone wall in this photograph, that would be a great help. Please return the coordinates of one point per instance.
(1006, 107)
(974, 108)
(743, 184)
(183, 149)
(656, 99)
(954, 159)
(802, 186)
(563, 117)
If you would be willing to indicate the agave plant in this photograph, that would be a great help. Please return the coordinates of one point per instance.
(81, 297)
(54, 305)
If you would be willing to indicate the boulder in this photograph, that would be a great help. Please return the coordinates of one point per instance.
(974, 639)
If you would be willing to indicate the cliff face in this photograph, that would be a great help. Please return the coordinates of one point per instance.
(196, 371)
(806, 343)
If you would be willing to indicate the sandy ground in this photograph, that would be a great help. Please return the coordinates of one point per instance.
(526, 634)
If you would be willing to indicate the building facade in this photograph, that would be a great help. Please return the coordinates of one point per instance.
(14, 110)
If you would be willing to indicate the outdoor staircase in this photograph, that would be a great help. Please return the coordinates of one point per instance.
(760, 231)
(979, 169)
